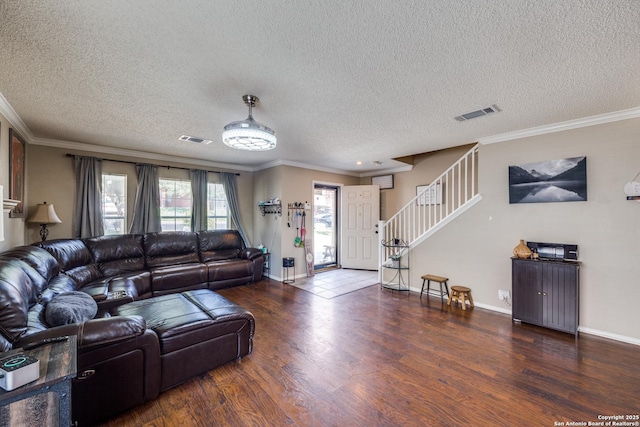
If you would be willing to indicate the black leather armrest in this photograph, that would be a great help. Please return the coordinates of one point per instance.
(121, 363)
(93, 332)
(109, 330)
(250, 253)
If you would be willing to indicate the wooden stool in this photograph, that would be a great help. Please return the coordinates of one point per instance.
(461, 294)
(441, 280)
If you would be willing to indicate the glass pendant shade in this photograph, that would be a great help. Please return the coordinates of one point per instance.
(248, 134)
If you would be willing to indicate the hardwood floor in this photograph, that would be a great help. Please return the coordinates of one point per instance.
(378, 358)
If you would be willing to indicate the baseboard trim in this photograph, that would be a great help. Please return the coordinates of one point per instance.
(493, 308)
(581, 329)
(609, 335)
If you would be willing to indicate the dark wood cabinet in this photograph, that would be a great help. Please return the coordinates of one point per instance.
(546, 293)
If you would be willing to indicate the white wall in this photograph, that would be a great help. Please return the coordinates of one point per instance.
(475, 249)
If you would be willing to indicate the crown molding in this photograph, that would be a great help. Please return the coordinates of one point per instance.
(78, 146)
(7, 110)
(303, 166)
(68, 145)
(406, 168)
(615, 116)
(330, 170)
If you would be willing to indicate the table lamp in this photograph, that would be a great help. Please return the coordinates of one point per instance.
(45, 214)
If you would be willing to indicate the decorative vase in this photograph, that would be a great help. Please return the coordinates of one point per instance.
(522, 250)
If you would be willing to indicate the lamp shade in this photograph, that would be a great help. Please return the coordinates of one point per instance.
(45, 214)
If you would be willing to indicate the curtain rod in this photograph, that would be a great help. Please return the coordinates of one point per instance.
(139, 163)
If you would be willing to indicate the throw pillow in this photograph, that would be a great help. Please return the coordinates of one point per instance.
(70, 307)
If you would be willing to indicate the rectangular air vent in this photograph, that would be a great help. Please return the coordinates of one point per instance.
(478, 113)
(194, 139)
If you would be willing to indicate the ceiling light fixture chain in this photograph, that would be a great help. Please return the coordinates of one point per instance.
(248, 134)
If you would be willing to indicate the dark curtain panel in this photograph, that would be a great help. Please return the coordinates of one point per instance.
(146, 213)
(88, 206)
(230, 186)
(199, 183)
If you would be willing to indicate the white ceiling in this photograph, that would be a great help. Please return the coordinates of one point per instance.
(339, 81)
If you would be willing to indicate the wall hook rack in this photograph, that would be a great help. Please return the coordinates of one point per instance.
(270, 207)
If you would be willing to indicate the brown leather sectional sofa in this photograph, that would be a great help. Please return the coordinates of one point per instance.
(158, 323)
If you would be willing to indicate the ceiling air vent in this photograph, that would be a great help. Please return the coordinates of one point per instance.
(478, 113)
(194, 139)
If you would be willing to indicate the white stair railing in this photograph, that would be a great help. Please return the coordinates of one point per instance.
(438, 203)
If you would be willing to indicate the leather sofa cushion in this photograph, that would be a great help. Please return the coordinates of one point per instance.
(74, 259)
(220, 255)
(171, 317)
(17, 294)
(37, 284)
(171, 248)
(216, 245)
(39, 259)
(178, 277)
(70, 253)
(225, 270)
(84, 274)
(57, 285)
(189, 318)
(117, 254)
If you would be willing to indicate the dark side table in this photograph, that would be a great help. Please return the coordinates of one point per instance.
(46, 401)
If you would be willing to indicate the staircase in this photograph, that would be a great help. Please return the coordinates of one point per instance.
(448, 196)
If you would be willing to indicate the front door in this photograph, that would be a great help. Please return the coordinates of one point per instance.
(325, 226)
(360, 213)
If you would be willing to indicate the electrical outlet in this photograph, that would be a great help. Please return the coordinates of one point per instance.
(503, 294)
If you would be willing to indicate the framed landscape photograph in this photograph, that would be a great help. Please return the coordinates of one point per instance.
(563, 180)
(17, 154)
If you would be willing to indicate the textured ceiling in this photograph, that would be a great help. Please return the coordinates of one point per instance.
(339, 81)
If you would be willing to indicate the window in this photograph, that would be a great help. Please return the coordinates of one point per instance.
(175, 204)
(217, 209)
(114, 203)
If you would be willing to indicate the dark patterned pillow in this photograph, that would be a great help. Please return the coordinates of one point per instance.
(70, 307)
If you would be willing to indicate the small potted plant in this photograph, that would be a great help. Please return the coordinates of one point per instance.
(395, 260)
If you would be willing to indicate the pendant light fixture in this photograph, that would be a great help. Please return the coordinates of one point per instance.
(248, 134)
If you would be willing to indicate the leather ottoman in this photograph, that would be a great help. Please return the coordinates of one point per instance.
(198, 330)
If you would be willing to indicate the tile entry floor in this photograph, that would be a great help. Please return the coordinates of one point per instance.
(332, 283)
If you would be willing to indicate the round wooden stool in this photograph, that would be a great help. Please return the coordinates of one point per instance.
(461, 294)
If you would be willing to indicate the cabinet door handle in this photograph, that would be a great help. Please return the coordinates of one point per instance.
(539, 293)
(544, 294)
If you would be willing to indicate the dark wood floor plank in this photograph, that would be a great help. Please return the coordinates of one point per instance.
(380, 358)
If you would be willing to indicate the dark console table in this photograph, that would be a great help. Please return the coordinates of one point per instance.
(546, 293)
(47, 400)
